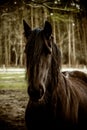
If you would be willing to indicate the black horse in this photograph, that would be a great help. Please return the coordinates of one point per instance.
(57, 100)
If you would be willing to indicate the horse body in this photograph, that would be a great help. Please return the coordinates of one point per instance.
(57, 99)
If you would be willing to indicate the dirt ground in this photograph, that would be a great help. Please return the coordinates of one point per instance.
(12, 109)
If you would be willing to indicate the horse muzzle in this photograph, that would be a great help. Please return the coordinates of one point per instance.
(35, 92)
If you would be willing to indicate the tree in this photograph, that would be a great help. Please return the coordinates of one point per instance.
(69, 21)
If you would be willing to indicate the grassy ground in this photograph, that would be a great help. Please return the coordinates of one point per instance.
(13, 81)
(13, 101)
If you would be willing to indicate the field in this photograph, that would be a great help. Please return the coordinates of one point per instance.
(13, 100)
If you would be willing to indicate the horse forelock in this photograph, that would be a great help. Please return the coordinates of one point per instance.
(30, 47)
(34, 47)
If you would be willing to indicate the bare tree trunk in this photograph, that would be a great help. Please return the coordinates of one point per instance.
(45, 13)
(9, 45)
(36, 16)
(21, 51)
(16, 59)
(32, 17)
(1, 54)
(6, 51)
(69, 45)
(73, 42)
(54, 31)
(84, 40)
(59, 38)
(80, 42)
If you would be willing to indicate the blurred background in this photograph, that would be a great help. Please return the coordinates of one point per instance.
(69, 21)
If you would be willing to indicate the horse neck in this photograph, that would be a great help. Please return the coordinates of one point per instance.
(62, 98)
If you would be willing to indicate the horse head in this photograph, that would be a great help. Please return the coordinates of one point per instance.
(39, 51)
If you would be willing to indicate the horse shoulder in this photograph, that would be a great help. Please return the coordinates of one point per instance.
(76, 92)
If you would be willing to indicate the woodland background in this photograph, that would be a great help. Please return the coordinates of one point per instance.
(69, 21)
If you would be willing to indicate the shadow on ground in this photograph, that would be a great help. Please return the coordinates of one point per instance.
(12, 109)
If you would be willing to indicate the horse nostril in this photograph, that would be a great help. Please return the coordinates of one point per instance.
(41, 90)
(30, 90)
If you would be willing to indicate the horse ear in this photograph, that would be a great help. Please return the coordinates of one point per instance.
(47, 33)
(27, 29)
(47, 29)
